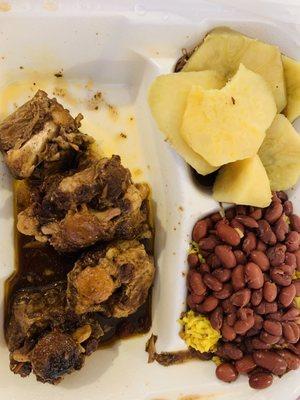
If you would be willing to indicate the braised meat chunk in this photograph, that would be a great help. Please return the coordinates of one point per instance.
(99, 203)
(41, 131)
(114, 280)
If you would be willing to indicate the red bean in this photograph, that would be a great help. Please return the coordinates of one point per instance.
(239, 256)
(196, 283)
(193, 299)
(230, 319)
(241, 327)
(291, 315)
(203, 268)
(268, 338)
(281, 228)
(228, 332)
(241, 298)
(287, 295)
(226, 372)
(216, 318)
(245, 364)
(231, 351)
(213, 261)
(288, 207)
(208, 243)
(193, 259)
(270, 361)
(226, 256)
(290, 259)
(216, 217)
(222, 274)
(265, 232)
(281, 196)
(228, 234)
(258, 344)
(260, 258)
(273, 212)
(261, 246)
(297, 254)
(269, 291)
(253, 276)
(224, 293)
(256, 214)
(293, 362)
(208, 305)
(276, 254)
(280, 276)
(199, 230)
(297, 286)
(292, 241)
(247, 221)
(212, 282)
(238, 278)
(291, 331)
(256, 297)
(249, 242)
(260, 380)
(295, 222)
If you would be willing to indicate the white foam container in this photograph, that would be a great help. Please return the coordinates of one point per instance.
(118, 47)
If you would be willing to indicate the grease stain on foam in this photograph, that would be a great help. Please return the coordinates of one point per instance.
(50, 5)
(5, 6)
(197, 397)
(113, 125)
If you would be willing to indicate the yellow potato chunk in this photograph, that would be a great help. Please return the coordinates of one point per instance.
(280, 154)
(167, 100)
(223, 50)
(292, 80)
(243, 182)
(229, 124)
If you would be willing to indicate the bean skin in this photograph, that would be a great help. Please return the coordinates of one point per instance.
(226, 372)
(260, 380)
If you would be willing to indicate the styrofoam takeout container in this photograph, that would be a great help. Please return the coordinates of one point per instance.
(118, 48)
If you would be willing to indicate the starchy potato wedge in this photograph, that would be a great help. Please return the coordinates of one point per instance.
(229, 124)
(292, 80)
(280, 154)
(243, 182)
(224, 50)
(167, 100)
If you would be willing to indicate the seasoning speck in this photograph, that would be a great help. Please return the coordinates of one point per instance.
(58, 75)
(233, 100)
(21, 67)
(123, 135)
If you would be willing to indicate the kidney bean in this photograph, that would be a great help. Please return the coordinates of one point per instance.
(208, 305)
(293, 362)
(196, 283)
(230, 213)
(228, 332)
(242, 326)
(204, 268)
(297, 254)
(199, 230)
(287, 295)
(276, 316)
(245, 365)
(254, 276)
(256, 214)
(193, 260)
(291, 315)
(290, 259)
(194, 299)
(222, 274)
(258, 322)
(297, 286)
(271, 307)
(270, 361)
(241, 297)
(232, 351)
(239, 256)
(281, 228)
(273, 212)
(295, 348)
(261, 308)
(247, 221)
(265, 232)
(230, 319)
(291, 331)
(249, 242)
(226, 372)
(216, 318)
(213, 261)
(212, 282)
(269, 291)
(225, 292)
(295, 222)
(226, 256)
(276, 254)
(216, 217)
(281, 195)
(292, 241)
(240, 229)
(208, 243)
(260, 380)
(280, 276)
(241, 210)
(268, 338)
(237, 277)
(288, 207)
(256, 297)
(260, 258)
(244, 313)
(228, 307)
(228, 234)
(261, 246)
(258, 344)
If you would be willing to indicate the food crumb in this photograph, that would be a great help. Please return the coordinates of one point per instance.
(21, 67)
(131, 119)
(180, 208)
(58, 74)
(233, 100)
(123, 135)
(113, 111)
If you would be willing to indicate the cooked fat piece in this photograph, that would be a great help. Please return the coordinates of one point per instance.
(229, 124)
(40, 133)
(223, 50)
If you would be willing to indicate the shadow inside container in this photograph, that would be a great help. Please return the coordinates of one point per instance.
(203, 182)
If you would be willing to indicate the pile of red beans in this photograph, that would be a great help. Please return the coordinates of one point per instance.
(246, 290)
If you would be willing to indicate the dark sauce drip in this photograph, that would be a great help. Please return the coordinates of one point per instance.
(38, 264)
